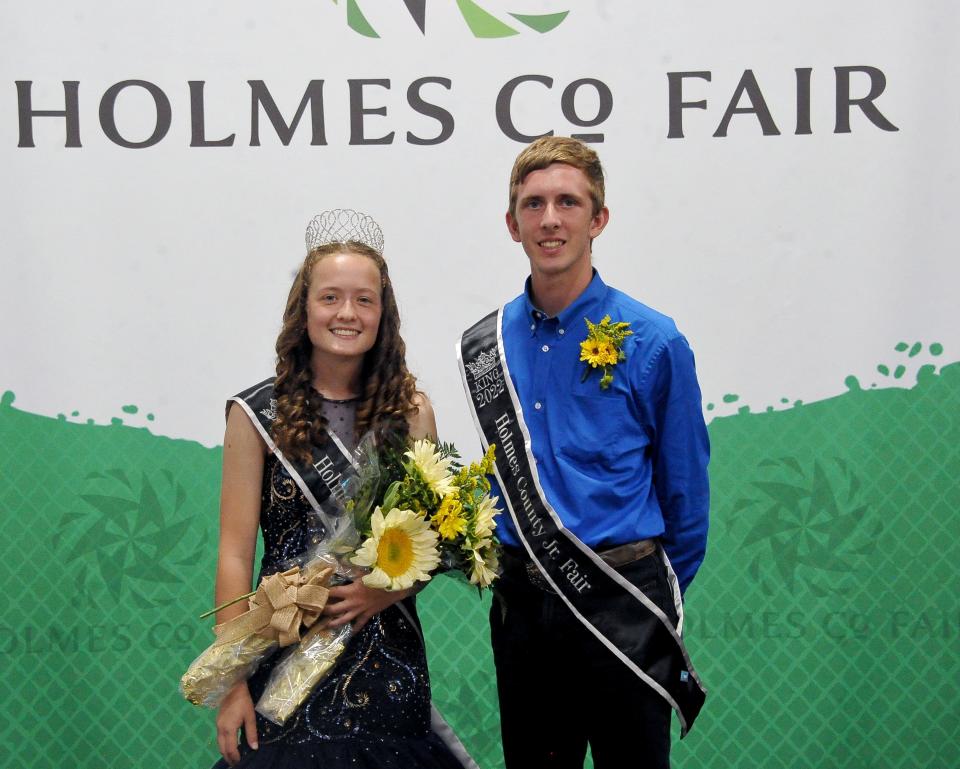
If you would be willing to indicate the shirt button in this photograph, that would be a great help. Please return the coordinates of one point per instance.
(533, 326)
(561, 332)
(546, 348)
(538, 405)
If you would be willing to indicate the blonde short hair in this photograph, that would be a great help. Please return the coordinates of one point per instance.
(558, 149)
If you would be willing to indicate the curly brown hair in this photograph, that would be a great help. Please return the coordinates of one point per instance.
(389, 389)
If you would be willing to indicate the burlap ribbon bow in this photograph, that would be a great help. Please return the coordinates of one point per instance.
(282, 604)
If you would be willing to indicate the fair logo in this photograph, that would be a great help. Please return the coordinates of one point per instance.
(480, 20)
(807, 525)
(129, 538)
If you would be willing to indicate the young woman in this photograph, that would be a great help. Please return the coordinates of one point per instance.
(340, 372)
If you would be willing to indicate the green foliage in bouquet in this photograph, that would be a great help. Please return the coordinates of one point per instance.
(417, 509)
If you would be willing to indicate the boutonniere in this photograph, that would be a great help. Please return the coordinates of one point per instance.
(603, 347)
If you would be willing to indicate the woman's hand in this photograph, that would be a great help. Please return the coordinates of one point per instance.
(358, 603)
(235, 711)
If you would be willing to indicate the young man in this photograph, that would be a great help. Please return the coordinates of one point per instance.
(602, 460)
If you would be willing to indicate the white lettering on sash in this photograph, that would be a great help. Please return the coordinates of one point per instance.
(324, 469)
(506, 442)
(536, 522)
(487, 377)
(573, 575)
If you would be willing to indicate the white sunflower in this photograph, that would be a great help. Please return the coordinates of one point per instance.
(485, 565)
(484, 523)
(402, 550)
(434, 469)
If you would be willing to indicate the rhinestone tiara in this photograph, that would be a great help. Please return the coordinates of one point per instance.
(343, 225)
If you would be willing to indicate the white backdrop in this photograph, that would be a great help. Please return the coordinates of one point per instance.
(157, 276)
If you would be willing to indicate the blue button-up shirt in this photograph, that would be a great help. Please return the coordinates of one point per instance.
(621, 464)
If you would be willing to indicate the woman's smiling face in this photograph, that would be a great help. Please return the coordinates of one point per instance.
(344, 305)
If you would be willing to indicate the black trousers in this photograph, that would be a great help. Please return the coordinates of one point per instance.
(560, 689)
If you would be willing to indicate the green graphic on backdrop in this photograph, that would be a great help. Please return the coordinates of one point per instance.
(825, 621)
(810, 527)
(130, 536)
(481, 22)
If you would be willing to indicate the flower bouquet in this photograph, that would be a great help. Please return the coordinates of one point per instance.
(439, 516)
(408, 514)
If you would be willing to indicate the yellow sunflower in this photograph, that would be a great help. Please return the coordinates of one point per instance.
(434, 469)
(402, 550)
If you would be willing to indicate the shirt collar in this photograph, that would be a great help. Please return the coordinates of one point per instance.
(593, 294)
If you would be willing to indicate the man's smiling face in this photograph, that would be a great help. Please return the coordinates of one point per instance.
(554, 220)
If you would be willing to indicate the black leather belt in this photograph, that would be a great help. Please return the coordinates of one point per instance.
(515, 560)
(621, 555)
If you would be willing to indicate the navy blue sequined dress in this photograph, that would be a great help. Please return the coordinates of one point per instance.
(373, 710)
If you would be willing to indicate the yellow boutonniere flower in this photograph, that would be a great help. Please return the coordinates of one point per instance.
(603, 348)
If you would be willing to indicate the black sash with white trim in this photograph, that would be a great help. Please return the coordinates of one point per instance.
(644, 638)
(331, 466)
